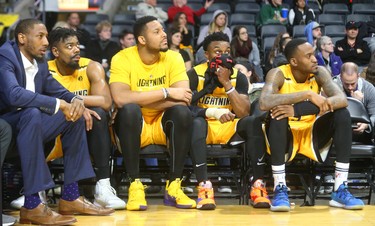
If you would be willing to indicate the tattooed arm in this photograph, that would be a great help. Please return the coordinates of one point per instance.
(335, 97)
(270, 97)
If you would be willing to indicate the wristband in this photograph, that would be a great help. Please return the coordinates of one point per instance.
(230, 90)
(166, 93)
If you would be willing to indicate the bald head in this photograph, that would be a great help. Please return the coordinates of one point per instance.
(349, 76)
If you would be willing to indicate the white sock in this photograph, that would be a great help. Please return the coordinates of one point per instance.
(278, 173)
(206, 184)
(341, 174)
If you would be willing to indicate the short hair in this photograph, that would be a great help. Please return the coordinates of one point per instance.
(321, 41)
(292, 46)
(124, 33)
(140, 25)
(102, 24)
(24, 26)
(216, 36)
(60, 34)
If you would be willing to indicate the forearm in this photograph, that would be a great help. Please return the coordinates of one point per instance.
(338, 102)
(98, 101)
(164, 104)
(143, 98)
(269, 101)
(240, 104)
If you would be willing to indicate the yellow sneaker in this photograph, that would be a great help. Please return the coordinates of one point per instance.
(174, 196)
(259, 196)
(206, 199)
(137, 200)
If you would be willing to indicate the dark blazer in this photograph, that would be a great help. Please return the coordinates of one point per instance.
(13, 93)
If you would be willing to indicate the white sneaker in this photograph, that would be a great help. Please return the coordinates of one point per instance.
(18, 203)
(105, 196)
(224, 189)
(329, 188)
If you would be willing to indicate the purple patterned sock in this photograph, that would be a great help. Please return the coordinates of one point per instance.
(70, 192)
(32, 201)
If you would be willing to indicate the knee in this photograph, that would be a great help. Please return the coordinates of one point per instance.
(129, 115)
(31, 115)
(342, 116)
(182, 113)
(103, 122)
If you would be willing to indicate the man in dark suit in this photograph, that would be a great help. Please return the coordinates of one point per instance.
(38, 108)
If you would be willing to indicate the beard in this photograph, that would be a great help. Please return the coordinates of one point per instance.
(165, 49)
(73, 65)
(40, 59)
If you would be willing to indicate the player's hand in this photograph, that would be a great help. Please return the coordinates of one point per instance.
(223, 74)
(361, 127)
(324, 104)
(227, 117)
(282, 111)
(180, 94)
(76, 109)
(87, 114)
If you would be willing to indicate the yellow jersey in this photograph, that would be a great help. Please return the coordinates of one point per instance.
(128, 68)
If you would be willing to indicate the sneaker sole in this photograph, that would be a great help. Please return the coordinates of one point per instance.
(280, 208)
(207, 207)
(261, 205)
(141, 208)
(336, 204)
(115, 207)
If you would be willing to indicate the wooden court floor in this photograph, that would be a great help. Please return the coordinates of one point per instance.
(233, 215)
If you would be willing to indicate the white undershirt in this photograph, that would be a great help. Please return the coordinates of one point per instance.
(31, 69)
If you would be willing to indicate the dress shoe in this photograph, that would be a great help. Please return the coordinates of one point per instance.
(82, 206)
(43, 215)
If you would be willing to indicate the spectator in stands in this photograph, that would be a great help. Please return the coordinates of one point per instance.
(362, 90)
(174, 41)
(313, 31)
(34, 104)
(300, 14)
(271, 13)
(351, 48)
(126, 39)
(180, 6)
(369, 72)
(219, 23)
(280, 58)
(86, 78)
(60, 24)
(149, 8)
(241, 45)
(292, 96)
(102, 49)
(326, 57)
(5, 139)
(220, 106)
(275, 50)
(180, 23)
(150, 88)
(75, 23)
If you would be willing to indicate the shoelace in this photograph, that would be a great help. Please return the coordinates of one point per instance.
(110, 189)
(206, 193)
(47, 210)
(345, 194)
(282, 192)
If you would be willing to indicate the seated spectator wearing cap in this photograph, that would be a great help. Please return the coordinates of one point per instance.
(326, 57)
(351, 48)
(313, 31)
(300, 13)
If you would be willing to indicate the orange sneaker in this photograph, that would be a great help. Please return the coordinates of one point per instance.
(258, 195)
(206, 199)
